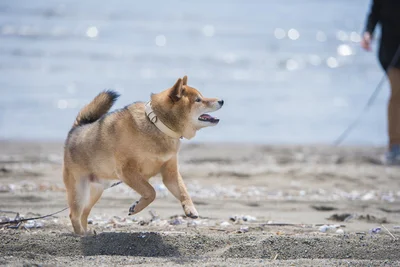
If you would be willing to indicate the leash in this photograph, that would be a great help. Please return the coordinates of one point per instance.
(18, 220)
(369, 103)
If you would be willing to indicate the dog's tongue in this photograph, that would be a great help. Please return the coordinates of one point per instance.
(207, 117)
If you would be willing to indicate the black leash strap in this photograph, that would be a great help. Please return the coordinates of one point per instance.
(18, 220)
(371, 100)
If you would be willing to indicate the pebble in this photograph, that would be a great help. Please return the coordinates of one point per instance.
(243, 229)
(177, 221)
(375, 230)
(340, 231)
(224, 224)
(33, 224)
(327, 228)
(245, 218)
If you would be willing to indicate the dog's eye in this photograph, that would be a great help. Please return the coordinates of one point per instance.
(198, 99)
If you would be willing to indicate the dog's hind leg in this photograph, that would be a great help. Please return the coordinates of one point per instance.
(96, 190)
(77, 193)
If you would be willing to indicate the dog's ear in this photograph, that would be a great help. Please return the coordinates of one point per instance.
(185, 80)
(176, 91)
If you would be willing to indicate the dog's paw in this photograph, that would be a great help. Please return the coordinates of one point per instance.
(73, 234)
(193, 216)
(132, 208)
(90, 232)
(190, 211)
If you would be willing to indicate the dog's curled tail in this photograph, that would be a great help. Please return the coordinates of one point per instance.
(99, 106)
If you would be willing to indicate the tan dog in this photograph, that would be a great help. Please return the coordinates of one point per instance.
(132, 144)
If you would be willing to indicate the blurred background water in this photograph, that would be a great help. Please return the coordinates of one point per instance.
(290, 71)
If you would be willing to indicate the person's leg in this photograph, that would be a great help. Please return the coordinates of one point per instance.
(394, 114)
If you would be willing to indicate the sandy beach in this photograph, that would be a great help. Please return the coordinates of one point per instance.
(259, 205)
(290, 72)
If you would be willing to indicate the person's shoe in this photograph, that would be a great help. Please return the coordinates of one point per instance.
(392, 157)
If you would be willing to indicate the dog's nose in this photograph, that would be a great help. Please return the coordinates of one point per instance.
(221, 102)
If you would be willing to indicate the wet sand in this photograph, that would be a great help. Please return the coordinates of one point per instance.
(259, 205)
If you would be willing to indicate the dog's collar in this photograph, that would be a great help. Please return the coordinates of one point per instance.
(158, 123)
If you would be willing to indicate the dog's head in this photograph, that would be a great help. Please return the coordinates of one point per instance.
(184, 109)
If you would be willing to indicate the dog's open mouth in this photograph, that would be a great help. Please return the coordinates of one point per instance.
(208, 118)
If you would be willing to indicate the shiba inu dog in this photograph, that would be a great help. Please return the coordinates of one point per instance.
(132, 144)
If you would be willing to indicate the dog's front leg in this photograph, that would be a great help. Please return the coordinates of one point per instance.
(129, 175)
(174, 182)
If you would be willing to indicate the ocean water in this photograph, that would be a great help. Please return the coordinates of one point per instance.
(290, 71)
